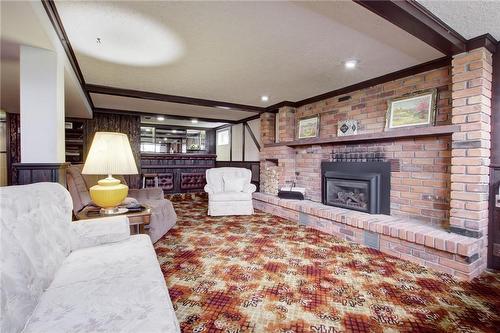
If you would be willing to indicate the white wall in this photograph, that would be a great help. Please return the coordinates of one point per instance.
(42, 105)
(234, 151)
(251, 150)
(237, 142)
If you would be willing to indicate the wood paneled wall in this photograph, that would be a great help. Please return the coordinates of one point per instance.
(13, 145)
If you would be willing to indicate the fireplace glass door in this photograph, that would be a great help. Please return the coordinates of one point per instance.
(350, 194)
(357, 192)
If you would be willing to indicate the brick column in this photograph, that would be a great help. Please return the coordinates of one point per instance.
(471, 100)
(267, 128)
(286, 116)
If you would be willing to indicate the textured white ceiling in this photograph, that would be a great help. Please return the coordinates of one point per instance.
(468, 18)
(238, 51)
(158, 107)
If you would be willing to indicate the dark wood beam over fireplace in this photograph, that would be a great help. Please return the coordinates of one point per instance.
(419, 22)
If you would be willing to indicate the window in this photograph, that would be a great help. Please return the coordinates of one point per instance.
(223, 137)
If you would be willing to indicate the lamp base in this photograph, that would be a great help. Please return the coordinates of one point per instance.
(108, 194)
(113, 211)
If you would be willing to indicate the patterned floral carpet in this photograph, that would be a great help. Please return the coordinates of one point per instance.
(267, 274)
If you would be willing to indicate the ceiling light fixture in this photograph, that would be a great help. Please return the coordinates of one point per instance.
(174, 131)
(194, 121)
(350, 64)
(160, 118)
(264, 98)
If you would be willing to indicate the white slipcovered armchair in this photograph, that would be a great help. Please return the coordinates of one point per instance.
(229, 191)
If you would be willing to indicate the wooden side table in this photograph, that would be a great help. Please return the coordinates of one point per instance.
(137, 220)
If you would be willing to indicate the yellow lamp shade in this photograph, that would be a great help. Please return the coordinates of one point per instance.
(108, 193)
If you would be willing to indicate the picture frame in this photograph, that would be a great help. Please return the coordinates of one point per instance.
(413, 110)
(347, 127)
(308, 127)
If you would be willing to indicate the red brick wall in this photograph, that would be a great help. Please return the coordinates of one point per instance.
(420, 189)
(369, 106)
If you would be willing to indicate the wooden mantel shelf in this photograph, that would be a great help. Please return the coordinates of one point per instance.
(394, 134)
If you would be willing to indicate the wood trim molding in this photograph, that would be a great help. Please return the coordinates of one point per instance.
(252, 135)
(244, 120)
(487, 41)
(136, 113)
(372, 137)
(106, 90)
(419, 22)
(52, 13)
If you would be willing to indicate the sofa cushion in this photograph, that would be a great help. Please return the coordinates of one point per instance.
(35, 228)
(163, 217)
(116, 287)
(230, 196)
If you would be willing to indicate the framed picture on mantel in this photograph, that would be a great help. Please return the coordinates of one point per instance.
(418, 109)
(308, 127)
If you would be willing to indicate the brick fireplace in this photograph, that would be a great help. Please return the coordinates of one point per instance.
(438, 176)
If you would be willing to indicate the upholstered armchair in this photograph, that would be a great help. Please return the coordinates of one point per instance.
(229, 191)
(163, 215)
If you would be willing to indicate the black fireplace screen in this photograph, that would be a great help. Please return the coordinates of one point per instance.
(353, 191)
(349, 194)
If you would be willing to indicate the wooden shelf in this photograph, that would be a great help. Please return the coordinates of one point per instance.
(384, 136)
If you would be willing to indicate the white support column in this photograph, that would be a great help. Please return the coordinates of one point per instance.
(42, 106)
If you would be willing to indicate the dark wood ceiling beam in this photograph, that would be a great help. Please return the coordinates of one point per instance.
(419, 22)
(51, 10)
(106, 90)
(167, 116)
(487, 41)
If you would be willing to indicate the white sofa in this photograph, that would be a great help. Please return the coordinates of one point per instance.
(223, 197)
(86, 276)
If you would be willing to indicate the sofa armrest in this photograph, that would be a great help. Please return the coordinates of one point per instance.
(249, 188)
(154, 193)
(94, 232)
(208, 189)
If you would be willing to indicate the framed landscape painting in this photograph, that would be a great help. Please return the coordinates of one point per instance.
(308, 127)
(418, 109)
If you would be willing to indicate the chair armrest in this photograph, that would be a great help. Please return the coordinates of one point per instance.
(249, 188)
(94, 232)
(208, 189)
(155, 193)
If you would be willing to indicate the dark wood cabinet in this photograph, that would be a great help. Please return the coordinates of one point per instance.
(176, 173)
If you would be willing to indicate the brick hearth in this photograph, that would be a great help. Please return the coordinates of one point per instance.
(439, 187)
(404, 238)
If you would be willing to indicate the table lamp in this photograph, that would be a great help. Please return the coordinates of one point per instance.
(109, 154)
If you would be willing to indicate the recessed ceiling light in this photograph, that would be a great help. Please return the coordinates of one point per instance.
(350, 64)
(264, 98)
(194, 121)
(174, 131)
(160, 118)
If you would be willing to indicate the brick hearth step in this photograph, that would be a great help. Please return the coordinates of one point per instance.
(409, 239)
